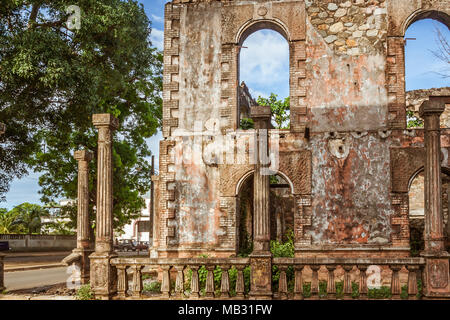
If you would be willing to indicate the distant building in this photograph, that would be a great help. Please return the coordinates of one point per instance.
(138, 229)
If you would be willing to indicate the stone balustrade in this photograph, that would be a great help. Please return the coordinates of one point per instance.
(356, 267)
(181, 279)
(169, 269)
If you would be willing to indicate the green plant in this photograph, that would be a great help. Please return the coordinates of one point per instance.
(307, 289)
(404, 293)
(355, 290)
(419, 288)
(146, 276)
(247, 123)
(413, 121)
(322, 289)
(154, 287)
(379, 293)
(84, 293)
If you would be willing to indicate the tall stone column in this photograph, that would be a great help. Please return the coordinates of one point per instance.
(437, 259)
(103, 275)
(261, 257)
(80, 255)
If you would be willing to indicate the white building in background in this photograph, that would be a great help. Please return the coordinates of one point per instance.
(138, 229)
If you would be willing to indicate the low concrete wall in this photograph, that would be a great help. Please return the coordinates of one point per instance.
(27, 242)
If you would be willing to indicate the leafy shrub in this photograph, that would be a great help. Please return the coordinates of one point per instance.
(84, 293)
(154, 287)
(379, 293)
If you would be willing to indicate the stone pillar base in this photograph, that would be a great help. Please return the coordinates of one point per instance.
(437, 276)
(103, 275)
(85, 265)
(261, 276)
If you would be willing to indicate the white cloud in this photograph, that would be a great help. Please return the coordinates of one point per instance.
(264, 64)
(157, 37)
(157, 18)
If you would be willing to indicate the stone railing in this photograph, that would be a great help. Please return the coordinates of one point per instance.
(349, 268)
(294, 271)
(168, 269)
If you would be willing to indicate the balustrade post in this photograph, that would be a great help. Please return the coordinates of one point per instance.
(315, 282)
(347, 282)
(103, 274)
(298, 282)
(194, 283)
(437, 271)
(137, 281)
(412, 281)
(282, 284)
(225, 282)
(363, 290)
(210, 281)
(179, 282)
(165, 286)
(240, 286)
(122, 281)
(331, 284)
(395, 282)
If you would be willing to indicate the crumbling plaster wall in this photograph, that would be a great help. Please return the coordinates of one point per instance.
(346, 78)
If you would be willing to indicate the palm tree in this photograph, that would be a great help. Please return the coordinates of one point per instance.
(9, 222)
(30, 216)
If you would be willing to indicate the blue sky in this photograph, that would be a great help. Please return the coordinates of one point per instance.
(265, 69)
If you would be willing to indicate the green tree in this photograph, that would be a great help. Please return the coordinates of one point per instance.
(30, 217)
(280, 109)
(9, 221)
(53, 79)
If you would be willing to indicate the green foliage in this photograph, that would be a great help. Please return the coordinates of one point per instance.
(383, 292)
(355, 290)
(285, 249)
(419, 288)
(53, 79)
(247, 123)
(279, 108)
(9, 221)
(413, 121)
(84, 293)
(307, 289)
(29, 217)
(154, 287)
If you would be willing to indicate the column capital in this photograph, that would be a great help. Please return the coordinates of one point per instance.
(433, 107)
(105, 120)
(2, 128)
(261, 116)
(83, 155)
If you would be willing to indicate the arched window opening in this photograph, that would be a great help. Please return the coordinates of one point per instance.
(264, 76)
(427, 64)
(417, 211)
(282, 206)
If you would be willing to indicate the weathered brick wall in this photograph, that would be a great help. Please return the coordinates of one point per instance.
(347, 90)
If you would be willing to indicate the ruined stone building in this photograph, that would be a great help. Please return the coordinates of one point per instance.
(343, 172)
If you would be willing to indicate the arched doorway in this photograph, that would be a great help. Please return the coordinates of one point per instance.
(417, 210)
(282, 206)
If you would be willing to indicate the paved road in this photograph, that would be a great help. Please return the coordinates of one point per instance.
(35, 278)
